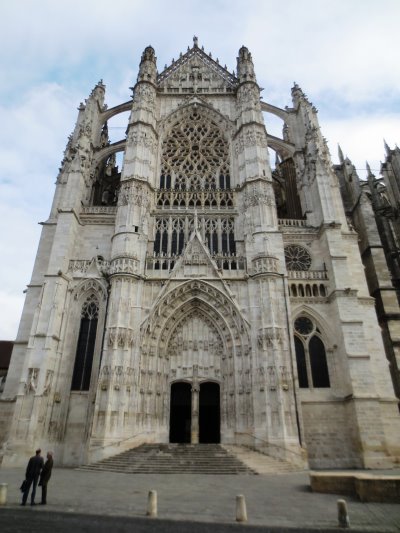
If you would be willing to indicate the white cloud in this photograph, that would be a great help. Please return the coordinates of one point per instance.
(361, 139)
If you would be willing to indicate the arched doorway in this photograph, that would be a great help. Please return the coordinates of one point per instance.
(180, 412)
(195, 413)
(209, 413)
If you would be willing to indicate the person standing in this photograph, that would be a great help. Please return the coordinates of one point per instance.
(33, 469)
(45, 476)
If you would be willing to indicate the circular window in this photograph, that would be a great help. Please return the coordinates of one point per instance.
(303, 325)
(297, 257)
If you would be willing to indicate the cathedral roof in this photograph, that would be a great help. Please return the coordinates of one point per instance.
(196, 67)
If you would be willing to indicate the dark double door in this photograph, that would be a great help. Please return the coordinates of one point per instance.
(181, 413)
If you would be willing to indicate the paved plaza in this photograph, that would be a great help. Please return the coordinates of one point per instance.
(273, 501)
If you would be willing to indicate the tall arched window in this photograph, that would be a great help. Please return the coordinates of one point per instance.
(195, 175)
(312, 365)
(86, 344)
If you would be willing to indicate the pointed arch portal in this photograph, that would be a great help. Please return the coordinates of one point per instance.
(195, 413)
(196, 337)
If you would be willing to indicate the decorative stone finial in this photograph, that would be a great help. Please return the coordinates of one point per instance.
(195, 41)
(148, 67)
(245, 67)
(298, 95)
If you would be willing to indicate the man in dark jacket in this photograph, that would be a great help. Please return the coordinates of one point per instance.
(45, 476)
(33, 469)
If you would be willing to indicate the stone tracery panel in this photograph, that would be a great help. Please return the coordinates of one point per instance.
(195, 155)
(195, 175)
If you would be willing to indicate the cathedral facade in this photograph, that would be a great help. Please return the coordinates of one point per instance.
(195, 295)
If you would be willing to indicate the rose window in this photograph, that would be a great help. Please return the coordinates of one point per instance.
(297, 257)
(195, 156)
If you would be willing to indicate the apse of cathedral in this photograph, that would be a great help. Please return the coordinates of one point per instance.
(198, 294)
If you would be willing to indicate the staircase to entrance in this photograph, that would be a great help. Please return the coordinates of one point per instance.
(189, 459)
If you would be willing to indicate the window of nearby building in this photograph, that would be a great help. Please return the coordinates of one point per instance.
(86, 344)
(312, 365)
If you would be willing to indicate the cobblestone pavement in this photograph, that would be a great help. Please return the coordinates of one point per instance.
(283, 501)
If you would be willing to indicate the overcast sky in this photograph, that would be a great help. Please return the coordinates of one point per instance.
(344, 54)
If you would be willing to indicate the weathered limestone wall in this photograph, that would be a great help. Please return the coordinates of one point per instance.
(328, 437)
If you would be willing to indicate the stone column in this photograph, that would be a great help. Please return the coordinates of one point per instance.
(194, 438)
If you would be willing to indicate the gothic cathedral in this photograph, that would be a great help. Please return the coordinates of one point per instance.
(195, 295)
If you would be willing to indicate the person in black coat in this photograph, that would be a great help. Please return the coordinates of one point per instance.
(45, 476)
(33, 469)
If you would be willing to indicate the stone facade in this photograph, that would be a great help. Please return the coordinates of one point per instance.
(196, 295)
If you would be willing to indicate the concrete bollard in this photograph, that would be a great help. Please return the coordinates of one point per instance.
(152, 504)
(3, 493)
(241, 511)
(343, 517)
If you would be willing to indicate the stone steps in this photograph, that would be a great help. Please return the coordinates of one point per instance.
(173, 459)
(261, 463)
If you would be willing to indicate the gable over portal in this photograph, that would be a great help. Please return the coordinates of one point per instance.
(196, 71)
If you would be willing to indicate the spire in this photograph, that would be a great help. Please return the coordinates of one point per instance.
(341, 158)
(387, 148)
(297, 94)
(98, 92)
(148, 66)
(245, 67)
(369, 172)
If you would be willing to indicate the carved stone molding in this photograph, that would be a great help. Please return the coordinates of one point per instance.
(90, 285)
(82, 266)
(268, 336)
(256, 197)
(264, 264)
(48, 382)
(117, 375)
(248, 97)
(145, 94)
(31, 383)
(123, 265)
(120, 337)
(141, 138)
(249, 138)
(133, 193)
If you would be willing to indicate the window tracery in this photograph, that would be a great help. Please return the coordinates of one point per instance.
(195, 156)
(297, 257)
(312, 365)
(107, 183)
(194, 176)
(86, 344)
(172, 233)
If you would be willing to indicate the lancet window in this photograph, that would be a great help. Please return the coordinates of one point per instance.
(286, 194)
(312, 366)
(107, 183)
(86, 344)
(172, 233)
